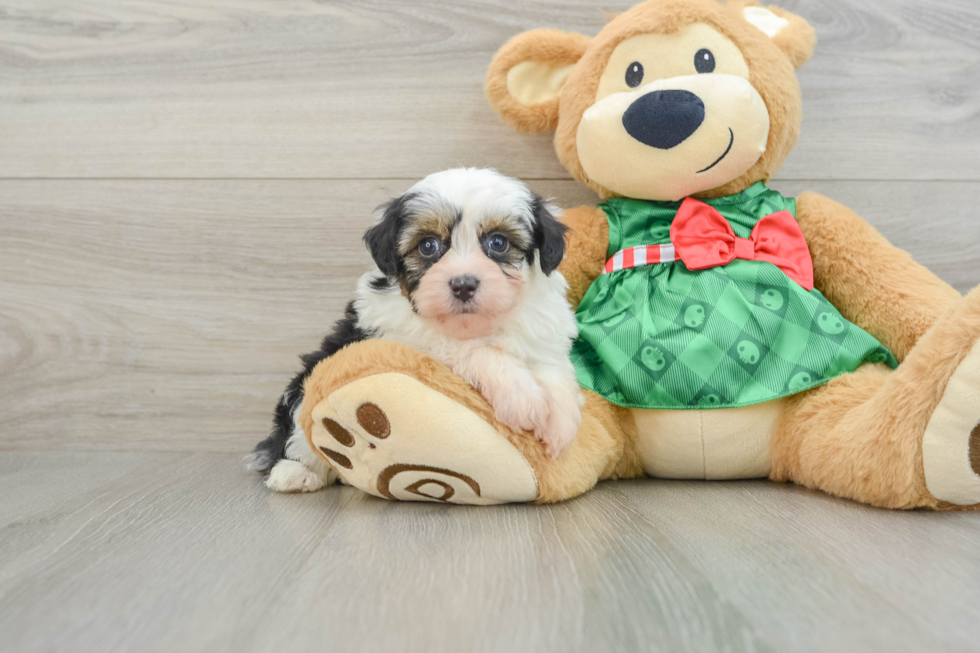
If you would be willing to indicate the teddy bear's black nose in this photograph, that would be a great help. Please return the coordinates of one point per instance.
(664, 119)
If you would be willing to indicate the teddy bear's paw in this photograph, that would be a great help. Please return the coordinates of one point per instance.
(394, 437)
(292, 476)
(951, 444)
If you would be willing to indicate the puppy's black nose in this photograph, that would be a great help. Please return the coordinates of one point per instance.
(664, 119)
(464, 287)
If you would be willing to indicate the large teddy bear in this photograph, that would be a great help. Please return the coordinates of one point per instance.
(726, 331)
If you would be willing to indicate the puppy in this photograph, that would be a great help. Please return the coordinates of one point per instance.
(466, 274)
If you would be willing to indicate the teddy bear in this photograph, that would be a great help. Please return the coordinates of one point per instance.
(725, 331)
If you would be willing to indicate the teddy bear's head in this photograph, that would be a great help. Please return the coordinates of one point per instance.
(672, 98)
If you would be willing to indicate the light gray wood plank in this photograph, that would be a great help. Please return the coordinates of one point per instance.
(189, 552)
(896, 579)
(167, 315)
(157, 88)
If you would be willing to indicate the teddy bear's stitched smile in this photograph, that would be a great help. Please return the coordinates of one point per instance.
(731, 141)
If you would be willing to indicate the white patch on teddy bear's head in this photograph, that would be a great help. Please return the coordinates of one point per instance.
(765, 20)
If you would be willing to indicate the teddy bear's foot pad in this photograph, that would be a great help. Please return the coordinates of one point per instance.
(951, 445)
(394, 437)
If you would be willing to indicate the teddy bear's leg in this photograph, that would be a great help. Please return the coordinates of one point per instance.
(899, 439)
(399, 425)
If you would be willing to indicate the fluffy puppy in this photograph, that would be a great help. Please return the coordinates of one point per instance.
(466, 274)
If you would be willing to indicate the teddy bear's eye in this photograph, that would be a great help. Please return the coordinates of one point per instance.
(704, 61)
(634, 74)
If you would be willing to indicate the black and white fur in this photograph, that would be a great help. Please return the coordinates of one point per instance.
(537, 334)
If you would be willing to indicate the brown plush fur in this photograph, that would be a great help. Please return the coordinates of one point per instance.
(796, 40)
(860, 436)
(585, 252)
(603, 448)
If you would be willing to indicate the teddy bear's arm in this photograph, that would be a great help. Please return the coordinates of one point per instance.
(872, 283)
(585, 253)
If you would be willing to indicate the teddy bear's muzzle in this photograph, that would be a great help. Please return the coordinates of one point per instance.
(673, 137)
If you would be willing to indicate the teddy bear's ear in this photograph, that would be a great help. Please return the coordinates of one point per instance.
(791, 34)
(526, 76)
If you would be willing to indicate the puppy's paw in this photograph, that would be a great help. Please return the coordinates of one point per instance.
(291, 476)
(521, 405)
(560, 428)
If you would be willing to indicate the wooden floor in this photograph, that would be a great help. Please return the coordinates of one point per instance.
(119, 551)
(183, 187)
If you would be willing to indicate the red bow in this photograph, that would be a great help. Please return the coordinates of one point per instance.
(703, 239)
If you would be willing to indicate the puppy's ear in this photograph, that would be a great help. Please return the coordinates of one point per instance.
(382, 238)
(549, 235)
(526, 76)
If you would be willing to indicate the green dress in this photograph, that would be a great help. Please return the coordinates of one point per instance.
(661, 336)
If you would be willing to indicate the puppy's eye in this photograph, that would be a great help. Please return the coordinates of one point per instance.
(430, 246)
(704, 61)
(498, 243)
(634, 74)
